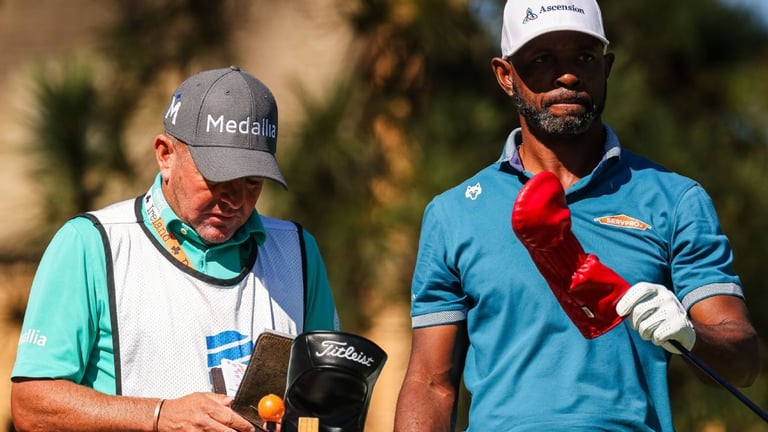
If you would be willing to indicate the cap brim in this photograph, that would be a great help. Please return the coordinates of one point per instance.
(220, 164)
(532, 36)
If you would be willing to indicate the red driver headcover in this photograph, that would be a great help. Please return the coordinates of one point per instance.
(586, 289)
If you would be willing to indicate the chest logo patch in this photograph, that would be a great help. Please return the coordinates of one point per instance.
(473, 191)
(623, 221)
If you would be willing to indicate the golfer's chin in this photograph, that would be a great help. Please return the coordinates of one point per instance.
(215, 235)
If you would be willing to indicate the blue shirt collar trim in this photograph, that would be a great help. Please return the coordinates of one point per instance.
(510, 153)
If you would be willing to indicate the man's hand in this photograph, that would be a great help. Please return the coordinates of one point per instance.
(202, 411)
(657, 315)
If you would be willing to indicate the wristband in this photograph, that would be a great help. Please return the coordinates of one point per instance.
(158, 407)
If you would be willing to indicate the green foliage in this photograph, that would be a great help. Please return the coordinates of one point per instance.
(67, 102)
(83, 112)
(415, 115)
(65, 142)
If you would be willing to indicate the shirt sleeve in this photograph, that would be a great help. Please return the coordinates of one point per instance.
(61, 322)
(701, 253)
(437, 295)
(320, 307)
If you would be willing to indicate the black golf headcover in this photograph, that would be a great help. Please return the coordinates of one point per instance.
(331, 377)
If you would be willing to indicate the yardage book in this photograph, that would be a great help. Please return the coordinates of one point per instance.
(265, 373)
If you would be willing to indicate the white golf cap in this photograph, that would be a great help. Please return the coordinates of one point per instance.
(526, 20)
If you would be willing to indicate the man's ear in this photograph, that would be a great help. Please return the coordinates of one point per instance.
(502, 70)
(164, 149)
(608, 59)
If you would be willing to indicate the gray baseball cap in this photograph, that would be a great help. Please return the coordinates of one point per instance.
(228, 118)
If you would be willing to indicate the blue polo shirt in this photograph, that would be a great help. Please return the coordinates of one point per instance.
(527, 367)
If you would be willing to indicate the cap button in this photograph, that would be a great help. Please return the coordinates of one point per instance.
(234, 68)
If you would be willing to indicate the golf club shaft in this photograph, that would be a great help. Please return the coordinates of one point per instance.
(715, 376)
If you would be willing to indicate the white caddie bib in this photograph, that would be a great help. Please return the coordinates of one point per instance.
(171, 324)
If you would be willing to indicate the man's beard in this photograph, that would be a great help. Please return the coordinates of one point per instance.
(544, 121)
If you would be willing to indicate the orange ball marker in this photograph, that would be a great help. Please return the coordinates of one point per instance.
(271, 410)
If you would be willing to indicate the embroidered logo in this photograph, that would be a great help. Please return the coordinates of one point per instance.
(623, 221)
(473, 192)
(173, 107)
(529, 16)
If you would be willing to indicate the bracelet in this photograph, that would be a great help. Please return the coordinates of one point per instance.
(158, 407)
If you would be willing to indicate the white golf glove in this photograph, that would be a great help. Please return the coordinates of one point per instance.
(657, 315)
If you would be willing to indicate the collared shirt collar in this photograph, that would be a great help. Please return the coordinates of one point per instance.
(510, 152)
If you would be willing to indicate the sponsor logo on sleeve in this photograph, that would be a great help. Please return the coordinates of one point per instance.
(33, 337)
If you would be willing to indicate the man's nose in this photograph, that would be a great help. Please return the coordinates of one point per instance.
(567, 80)
(232, 192)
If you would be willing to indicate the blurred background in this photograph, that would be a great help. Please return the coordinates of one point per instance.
(383, 104)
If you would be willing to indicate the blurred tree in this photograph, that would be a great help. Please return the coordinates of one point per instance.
(82, 115)
(686, 91)
(179, 32)
(416, 114)
(67, 104)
